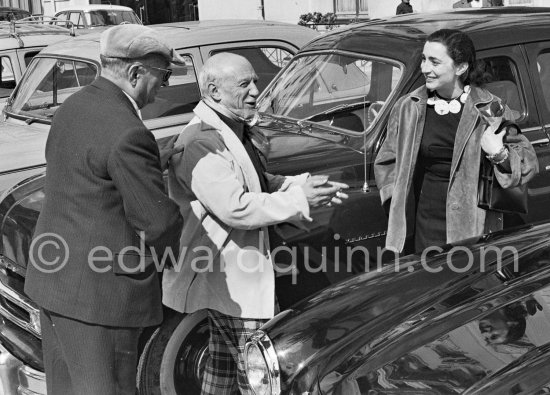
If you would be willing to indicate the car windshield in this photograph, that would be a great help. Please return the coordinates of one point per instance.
(111, 17)
(47, 84)
(337, 90)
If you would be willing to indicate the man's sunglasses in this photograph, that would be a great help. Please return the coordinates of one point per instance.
(165, 76)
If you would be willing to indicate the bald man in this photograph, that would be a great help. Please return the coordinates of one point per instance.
(229, 202)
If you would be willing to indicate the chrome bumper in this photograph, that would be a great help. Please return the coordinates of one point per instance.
(19, 379)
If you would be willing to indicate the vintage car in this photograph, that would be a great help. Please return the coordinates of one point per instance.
(19, 43)
(87, 18)
(473, 318)
(324, 113)
(62, 69)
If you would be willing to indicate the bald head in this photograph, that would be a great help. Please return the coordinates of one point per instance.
(230, 80)
(220, 66)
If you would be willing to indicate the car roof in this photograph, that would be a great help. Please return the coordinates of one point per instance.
(181, 35)
(93, 7)
(12, 9)
(400, 36)
(30, 35)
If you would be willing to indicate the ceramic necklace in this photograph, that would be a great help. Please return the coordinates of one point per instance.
(443, 107)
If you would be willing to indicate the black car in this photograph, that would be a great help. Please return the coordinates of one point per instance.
(473, 319)
(325, 113)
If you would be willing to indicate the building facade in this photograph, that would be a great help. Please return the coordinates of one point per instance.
(345, 10)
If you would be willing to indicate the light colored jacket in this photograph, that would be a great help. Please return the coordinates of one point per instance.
(396, 161)
(225, 262)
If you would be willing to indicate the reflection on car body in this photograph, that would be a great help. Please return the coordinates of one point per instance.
(460, 321)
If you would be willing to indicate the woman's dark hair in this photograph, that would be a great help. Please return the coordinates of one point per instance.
(461, 50)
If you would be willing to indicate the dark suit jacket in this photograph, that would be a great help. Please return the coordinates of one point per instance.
(103, 187)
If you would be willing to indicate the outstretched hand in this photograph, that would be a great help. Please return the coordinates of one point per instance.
(320, 191)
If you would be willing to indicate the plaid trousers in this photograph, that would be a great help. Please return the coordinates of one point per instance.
(224, 373)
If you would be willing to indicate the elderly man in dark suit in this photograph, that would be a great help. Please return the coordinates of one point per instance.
(107, 210)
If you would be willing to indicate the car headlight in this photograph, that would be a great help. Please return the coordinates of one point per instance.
(262, 367)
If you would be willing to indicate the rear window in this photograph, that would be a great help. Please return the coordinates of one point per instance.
(111, 17)
(267, 61)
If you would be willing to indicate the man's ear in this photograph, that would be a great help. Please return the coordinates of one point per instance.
(214, 92)
(133, 74)
(461, 68)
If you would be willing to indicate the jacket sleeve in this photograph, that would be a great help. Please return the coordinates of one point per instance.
(385, 162)
(134, 167)
(216, 185)
(523, 162)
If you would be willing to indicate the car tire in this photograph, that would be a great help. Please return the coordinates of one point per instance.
(174, 357)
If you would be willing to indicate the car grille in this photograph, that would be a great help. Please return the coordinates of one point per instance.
(14, 305)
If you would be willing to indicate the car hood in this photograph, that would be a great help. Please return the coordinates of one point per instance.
(23, 146)
(377, 316)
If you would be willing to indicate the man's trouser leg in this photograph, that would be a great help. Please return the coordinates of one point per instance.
(224, 373)
(87, 359)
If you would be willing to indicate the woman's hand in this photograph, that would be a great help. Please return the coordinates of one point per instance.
(492, 143)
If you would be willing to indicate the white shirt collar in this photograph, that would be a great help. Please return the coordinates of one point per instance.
(134, 104)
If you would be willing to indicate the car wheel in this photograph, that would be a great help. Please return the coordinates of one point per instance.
(173, 359)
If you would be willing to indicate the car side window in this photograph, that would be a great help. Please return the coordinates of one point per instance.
(50, 83)
(543, 66)
(62, 16)
(267, 61)
(504, 82)
(76, 18)
(7, 77)
(28, 56)
(179, 96)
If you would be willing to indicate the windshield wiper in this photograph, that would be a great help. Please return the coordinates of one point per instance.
(337, 109)
(277, 120)
(29, 120)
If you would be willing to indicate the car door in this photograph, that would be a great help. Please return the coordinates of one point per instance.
(538, 59)
(511, 81)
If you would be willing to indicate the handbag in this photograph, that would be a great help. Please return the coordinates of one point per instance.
(491, 196)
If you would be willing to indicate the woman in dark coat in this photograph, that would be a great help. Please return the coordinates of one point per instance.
(427, 170)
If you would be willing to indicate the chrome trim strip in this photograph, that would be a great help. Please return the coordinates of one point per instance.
(22, 169)
(531, 129)
(540, 141)
(263, 342)
(22, 302)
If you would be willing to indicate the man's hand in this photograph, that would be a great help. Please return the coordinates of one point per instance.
(167, 150)
(320, 191)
